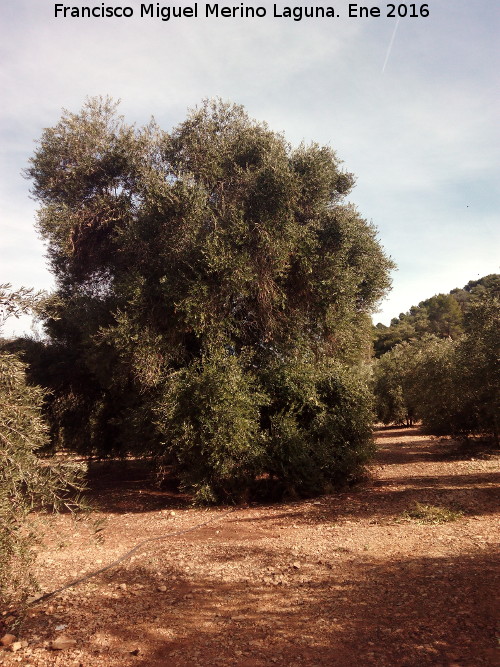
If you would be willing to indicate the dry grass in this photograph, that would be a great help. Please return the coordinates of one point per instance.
(431, 514)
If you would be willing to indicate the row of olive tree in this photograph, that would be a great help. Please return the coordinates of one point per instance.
(213, 299)
(452, 386)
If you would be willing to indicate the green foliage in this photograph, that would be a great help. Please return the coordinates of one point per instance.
(478, 367)
(442, 315)
(431, 514)
(210, 427)
(19, 474)
(396, 376)
(20, 302)
(25, 480)
(458, 383)
(320, 425)
(199, 265)
(435, 387)
(452, 386)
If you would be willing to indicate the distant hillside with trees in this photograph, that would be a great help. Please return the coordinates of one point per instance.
(440, 363)
(442, 315)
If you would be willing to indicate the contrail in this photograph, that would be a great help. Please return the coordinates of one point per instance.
(390, 44)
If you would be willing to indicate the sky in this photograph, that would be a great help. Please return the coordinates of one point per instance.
(411, 105)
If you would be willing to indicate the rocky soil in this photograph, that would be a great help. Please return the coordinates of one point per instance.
(363, 577)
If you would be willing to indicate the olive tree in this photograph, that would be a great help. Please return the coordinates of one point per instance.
(26, 481)
(213, 299)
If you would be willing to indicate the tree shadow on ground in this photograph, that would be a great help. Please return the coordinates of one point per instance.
(130, 486)
(413, 611)
(385, 500)
(123, 486)
(412, 452)
(240, 604)
(407, 453)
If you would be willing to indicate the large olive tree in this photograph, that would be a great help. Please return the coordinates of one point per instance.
(213, 299)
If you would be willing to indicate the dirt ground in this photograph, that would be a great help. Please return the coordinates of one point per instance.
(348, 579)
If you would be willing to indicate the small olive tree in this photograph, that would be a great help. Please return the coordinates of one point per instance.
(26, 481)
(478, 367)
(395, 378)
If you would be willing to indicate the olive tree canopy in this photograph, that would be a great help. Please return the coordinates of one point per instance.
(213, 299)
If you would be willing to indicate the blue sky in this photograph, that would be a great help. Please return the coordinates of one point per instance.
(421, 134)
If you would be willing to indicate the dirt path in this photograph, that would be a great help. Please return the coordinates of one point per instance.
(343, 580)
